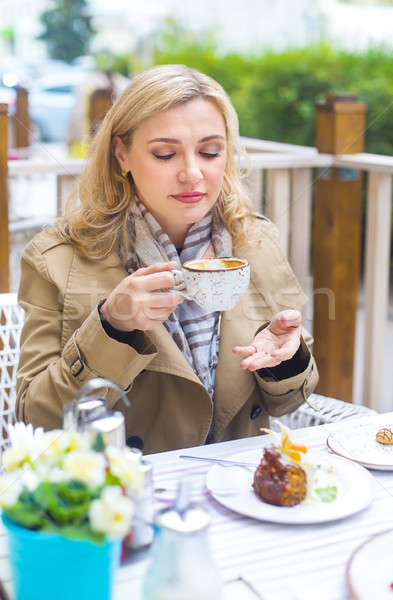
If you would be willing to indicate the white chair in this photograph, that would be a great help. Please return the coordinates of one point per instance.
(332, 410)
(11, 322)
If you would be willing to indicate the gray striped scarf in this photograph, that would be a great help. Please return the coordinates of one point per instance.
(194, 330)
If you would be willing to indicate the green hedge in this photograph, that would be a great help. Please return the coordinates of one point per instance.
(275, 93)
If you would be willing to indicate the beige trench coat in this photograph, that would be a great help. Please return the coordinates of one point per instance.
(64, 345)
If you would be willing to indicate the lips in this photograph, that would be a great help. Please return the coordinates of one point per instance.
(189, 197)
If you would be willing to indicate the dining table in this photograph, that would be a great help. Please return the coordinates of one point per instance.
(259, 556)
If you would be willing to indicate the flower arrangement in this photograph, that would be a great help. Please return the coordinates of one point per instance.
(59, 482)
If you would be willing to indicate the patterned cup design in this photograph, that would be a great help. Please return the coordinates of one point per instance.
(215, 283)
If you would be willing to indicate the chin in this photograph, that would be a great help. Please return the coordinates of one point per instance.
(192, 214)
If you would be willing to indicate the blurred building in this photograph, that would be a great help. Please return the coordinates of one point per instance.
(19, 28)
(247, 25)
(237, 25)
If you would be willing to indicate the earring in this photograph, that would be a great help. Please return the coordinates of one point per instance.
(125, 174)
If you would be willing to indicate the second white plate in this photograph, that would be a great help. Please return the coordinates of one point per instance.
(370, 568)
(356, 442)
(232, 487)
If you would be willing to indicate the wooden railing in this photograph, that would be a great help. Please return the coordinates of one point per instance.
(288, 200)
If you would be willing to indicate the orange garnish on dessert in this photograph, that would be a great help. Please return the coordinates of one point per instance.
(285, 444)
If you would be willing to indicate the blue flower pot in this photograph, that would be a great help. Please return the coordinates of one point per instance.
(45, 566)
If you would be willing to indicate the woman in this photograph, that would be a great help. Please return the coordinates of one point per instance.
(161, 186)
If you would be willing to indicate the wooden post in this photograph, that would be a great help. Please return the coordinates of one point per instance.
(4, 235)
(340, 129)
(22, 119)
(100, 103)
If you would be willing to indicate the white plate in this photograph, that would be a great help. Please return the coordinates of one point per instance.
(232, 487)
(370, 569)
(356, 441)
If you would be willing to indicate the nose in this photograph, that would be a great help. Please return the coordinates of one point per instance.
(190, 172)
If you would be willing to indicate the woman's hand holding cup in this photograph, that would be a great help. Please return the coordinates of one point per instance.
(141, 301)
(147, 297)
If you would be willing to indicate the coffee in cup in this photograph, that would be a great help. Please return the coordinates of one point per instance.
(214, 283)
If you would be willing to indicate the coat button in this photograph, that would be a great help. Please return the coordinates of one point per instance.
(255, 412)
(134, 441)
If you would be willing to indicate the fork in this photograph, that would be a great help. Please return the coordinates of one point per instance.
(221, 461)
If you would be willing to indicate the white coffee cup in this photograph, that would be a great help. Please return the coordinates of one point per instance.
(213, 283)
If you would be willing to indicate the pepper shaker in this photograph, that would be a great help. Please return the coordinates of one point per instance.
(142, 529)
(182, 567)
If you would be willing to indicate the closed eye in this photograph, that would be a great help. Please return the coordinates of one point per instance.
(210, 154)
(164, 156)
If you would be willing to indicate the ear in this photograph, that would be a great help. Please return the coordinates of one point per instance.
(120, 151)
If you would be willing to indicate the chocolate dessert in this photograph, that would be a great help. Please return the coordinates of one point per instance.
(278, 481)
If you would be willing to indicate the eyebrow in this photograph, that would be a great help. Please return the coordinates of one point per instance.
(175, 141)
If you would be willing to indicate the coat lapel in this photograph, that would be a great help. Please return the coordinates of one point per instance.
(169, 358)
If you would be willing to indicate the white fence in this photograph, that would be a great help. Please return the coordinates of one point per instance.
(281, 185)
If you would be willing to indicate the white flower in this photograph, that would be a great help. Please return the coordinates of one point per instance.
(23, 446)
(24, 435)
(112, 513)
(74, 440)
(86, 466)
(124, 465)
(54, 444)
(30, 478)
(11, 486)
(13, 458)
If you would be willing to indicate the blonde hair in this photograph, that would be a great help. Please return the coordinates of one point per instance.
(97, 214)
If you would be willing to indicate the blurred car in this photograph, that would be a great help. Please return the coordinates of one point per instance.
(51, 101)
(15, 72)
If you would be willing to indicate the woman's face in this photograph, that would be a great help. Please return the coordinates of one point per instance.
(177, 160)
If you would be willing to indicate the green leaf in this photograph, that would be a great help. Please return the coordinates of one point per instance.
(76, 492)
(83, 532)
(75, 532)
(328, 493)
(40, 496)
(111, 479)
(99, 443)
(24, 517)
(63, 503)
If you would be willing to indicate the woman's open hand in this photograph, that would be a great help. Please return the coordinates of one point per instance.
(140, 300)
(279, 341)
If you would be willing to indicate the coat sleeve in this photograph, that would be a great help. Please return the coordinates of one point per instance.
(50, 371)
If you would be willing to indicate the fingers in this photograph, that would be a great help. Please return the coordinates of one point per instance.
(158, 306)
(163, 299)
(156, 268)
(287, 320)
(290, 315)
(139, 301)
(155, 277)
(259, 361)
(255, 359)
(266, 355)
(244, 350)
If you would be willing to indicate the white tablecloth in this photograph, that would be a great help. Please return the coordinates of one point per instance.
(282, 562)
